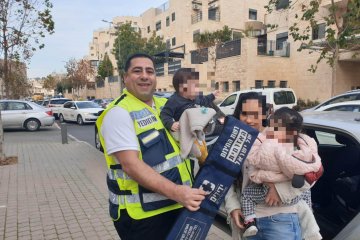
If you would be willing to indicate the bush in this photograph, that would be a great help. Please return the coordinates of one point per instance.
(302, 104)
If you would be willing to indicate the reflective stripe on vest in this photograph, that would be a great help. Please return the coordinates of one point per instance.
(135, 198)
(161, 167)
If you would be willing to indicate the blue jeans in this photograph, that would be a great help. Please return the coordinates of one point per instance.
(284, 226)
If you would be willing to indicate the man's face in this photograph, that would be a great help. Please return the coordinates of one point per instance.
(252, 113)
(140, 79)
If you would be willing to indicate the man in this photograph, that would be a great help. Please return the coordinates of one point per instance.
(148, 181)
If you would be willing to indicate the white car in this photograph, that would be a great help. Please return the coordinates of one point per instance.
(349, 106)
(277, 97)
(24, 114)
(345, 97)
(80, 112)
(55, 104)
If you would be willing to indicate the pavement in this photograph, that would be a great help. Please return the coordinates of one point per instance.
(56, 191)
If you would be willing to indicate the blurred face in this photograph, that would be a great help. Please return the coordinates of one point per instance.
(277, 130)
(252, 113)
(190, 90)
(140, 79)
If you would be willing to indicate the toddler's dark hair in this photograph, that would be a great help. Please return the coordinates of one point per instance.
(291, 119)
(183, 75)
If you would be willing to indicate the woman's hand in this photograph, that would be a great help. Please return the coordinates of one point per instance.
(272, 198)
(236, 216)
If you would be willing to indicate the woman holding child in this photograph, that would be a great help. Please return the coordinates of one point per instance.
(279, 211)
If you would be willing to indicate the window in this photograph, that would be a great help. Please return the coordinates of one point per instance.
(281, 38)
(17, 106)
(259, 83)
(168, 46)
(173, 41)
(214, 14)
(350, 97)
(225, 86)
(67, 104)
(252, 14)
(229, 101)
(271, 83)
(167, 21)
(318, 31)
(345, 108)
(158, 26)
(236, 85)
(283, 84)
(148, 29)
(217, 86)
(196, 34)
(281, 4)
(283, 97)
(173, 16)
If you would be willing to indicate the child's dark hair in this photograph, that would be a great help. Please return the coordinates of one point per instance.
(183, 75)
(290, 119)
(250, 96)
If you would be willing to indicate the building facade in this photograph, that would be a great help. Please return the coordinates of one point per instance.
(256, 57)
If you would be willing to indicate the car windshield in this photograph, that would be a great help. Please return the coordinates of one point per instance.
(284, 97)
(82, 105)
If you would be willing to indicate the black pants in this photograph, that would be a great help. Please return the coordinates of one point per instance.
(156, 227)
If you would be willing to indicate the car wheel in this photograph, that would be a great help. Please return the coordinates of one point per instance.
(97, 141)
(61, 118)
(32, 124)
(80, 120)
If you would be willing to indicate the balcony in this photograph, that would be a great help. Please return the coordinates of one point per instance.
(271, 48)
(229, 49)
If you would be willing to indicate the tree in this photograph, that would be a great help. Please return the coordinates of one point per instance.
(49, 83)
(342, 29)
(207, 40)
(128, 42)
(23, 23)
(154, 45)
(78, 73)
(105, 67)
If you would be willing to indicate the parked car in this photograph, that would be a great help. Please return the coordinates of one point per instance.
(24, 114)
(277, 97)
(345, 97)
(348, 106)
(103, 102)
(163, 94)
(55, 104)
(79, 111)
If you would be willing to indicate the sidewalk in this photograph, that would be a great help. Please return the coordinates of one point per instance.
(56, 191)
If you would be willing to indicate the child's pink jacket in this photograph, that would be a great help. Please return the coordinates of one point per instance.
(275, 162)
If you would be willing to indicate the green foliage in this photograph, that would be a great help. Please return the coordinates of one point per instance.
(105, 67)
(210, 39)
(129, 41)
(302, 104)
(342, 26)
(49, 83)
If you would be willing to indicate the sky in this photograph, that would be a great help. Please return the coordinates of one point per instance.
(75, 21)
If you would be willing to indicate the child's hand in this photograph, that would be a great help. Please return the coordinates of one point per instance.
(216, 93)
(175, 127)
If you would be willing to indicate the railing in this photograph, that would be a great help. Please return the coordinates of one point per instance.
(160, 70)
(268, 48)
(174, 66)
(196, 17)
(199, 56)
(113, 79)
(228, 49)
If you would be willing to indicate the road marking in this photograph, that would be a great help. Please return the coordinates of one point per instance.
(3, 206)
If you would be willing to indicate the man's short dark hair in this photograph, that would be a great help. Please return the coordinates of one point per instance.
(182, 76)
(137, 55)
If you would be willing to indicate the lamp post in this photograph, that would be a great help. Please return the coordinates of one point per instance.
(112, 23)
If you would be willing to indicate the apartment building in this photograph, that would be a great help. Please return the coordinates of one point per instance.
(263, 58)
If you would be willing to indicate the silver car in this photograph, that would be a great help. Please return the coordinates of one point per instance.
(24, 114)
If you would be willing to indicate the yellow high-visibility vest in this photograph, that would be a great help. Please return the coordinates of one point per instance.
(124, 192)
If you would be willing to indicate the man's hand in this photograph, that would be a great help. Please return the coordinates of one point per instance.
(236, 216)
(272, 198)
(175, 127)
(190, 198)
(216, 93)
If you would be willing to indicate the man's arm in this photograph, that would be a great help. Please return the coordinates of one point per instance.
(145, 176)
